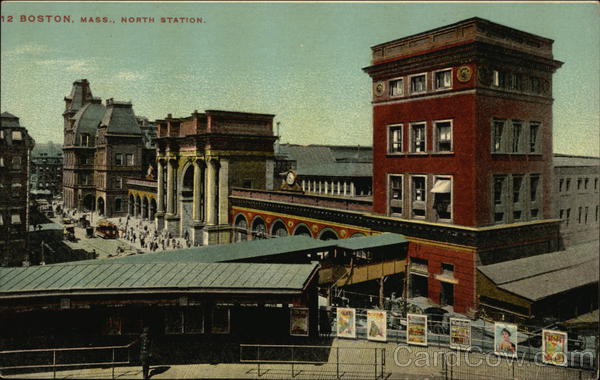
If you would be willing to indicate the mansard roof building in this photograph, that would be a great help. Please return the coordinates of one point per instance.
(103, 144)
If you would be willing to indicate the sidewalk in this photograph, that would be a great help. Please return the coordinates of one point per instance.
(401, 362)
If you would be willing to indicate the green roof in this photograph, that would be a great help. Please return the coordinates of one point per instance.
(69, 279)
(374, 241)
(228, 252)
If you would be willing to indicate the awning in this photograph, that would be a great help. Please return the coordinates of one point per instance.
(442, 186)
(15, 219)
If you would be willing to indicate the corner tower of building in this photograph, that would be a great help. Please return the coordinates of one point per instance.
(462, 125)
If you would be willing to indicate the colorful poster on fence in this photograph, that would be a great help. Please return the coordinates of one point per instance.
(416, 329)
(377, 325)
(554, 347)
(460, 334)
(346, 323)
(299, 321)
(505, 339)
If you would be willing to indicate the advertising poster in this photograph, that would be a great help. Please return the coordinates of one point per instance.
(377, 325)
(505, 339)
(416, 329)
(554, 347)
(299, 321)
(460, 334)
(346, 323)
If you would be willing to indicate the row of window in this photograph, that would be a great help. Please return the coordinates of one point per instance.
(15, 219)
(582, 215)
(15, 135)
(516, 136)
(564, 184)
(16, 163)
(126, 159)
(419, 188)
(417, 135)
(518, 82)
(417, 84)
(516, 197)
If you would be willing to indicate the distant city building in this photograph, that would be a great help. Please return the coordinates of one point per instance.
(15, 149)
(577, 197)
(46, 169)
(103, 145)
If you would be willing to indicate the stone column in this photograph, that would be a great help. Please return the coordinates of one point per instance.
(160, 191)
(170, 188)
(223, 206)
(344, 187)
(210, 192)
(171, 218)
(352, 189)
(197, 202)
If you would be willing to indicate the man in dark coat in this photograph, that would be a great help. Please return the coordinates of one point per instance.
(145, 345)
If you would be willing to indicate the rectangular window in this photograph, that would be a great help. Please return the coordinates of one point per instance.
(119, 182)
(517, 191)
(499, 79)
(499, 194)
(129, 157)
(514, 81)
(443, 79)
(395, 195)
(397, 87)
(419, 197)
(579, 215)
(85, 140)
(535, 85)
(561, 182)
(17, 136)
(534, 183)
(586, 182)
(16, 162)
(568, 216)
(534, 137)
(395, 139)
(220, 319)
(568, 187)
(517, 135)
(442, 198)
(119, 159)
(498, 131)
(562, 214)
(579, 182)
(418, 84)
(586, 215)
(417, 135)
(595, 183)
(443, 136)
(597, 213)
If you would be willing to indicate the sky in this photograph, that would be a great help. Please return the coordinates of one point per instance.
(300, 61)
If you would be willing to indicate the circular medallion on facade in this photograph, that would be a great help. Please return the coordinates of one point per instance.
(290, 223)
(343, 233)
(463, 74)
(290, 178)
(268, 220)
(315, 228)
(379, 88)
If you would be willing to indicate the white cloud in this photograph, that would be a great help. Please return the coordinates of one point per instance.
(129, 75)
(78, 65)
(27, 49)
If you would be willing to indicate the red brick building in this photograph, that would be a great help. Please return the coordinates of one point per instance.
(462, 135)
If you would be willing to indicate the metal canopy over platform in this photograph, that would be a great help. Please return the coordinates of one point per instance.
(115, 278)
(366, 242)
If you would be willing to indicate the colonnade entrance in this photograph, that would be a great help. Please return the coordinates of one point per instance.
(192, 199)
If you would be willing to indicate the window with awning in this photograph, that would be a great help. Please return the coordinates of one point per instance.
(442, 198)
